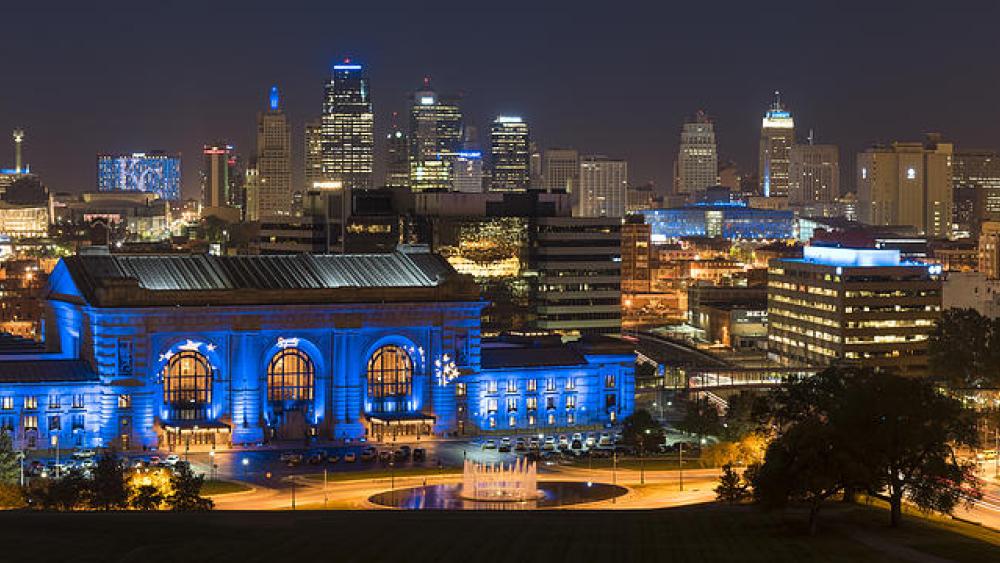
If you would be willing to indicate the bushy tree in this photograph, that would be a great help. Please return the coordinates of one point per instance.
(743, 416)
(641, 430)
(147, 497)
(10, 460)
(731, 488)
(109, 488)
(701, 419)
(964, 350)
(186, 496)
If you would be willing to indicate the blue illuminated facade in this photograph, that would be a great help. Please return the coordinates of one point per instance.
(733, 221)
(177, 352)
(153, 172)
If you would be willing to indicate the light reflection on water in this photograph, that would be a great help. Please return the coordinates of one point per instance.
(448, 497)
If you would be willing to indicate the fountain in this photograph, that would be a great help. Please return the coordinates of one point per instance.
(500, 483)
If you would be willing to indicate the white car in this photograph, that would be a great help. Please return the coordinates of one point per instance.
(490, 444)
(171, 460)
(350, 457)
(84, 453)
(550, 443)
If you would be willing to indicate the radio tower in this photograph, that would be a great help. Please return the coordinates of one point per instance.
(18, 140)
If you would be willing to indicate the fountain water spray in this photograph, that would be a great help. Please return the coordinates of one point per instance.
(515, 482)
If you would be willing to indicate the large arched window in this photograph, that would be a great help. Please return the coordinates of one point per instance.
(390, 373)
(290, 376)
(187, 379)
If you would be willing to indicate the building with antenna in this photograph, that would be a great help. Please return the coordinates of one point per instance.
(813, 173)
(272, 187)
(10, 175)
(777, 136)
(698, 157)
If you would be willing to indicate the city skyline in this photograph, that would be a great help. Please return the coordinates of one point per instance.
(553, 89)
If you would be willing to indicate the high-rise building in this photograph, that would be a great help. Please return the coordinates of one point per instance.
(976, 189)
(348, 127)
(435, 129)
(313, 171)
(467, 168)
(861, 306)
(577, 275)
(510, 157)
(535, 181)
(219, 181)
(152, 172)
(907, 184)
(697, 158)
(274, 161)
(777, 135)
(989, 250)
(814, 173)
(560, 170)
(397, 165)
(603, 187)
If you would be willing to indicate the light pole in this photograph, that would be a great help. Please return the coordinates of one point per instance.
(324, 488)
(680, 463)
(293, 493)
(245, 463)
(642, 457)
(211, 460)
(996, 459)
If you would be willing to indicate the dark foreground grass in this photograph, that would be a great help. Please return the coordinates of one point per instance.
(699, 533)
(220, 487)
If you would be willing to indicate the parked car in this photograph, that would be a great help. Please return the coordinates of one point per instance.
(385, 455)
(316, 458)
(368, 453)
(399, 455)
(550, 444)
(419, 454)
(405, 451)
(576, 445)
(350, 457)
(591, 440)
(504, 444)
(520, 445)
(490, 444)
(563, 442)
(292, 459)
(88, 463)
(154, 461)
(171, 460)
(576, 436)
(332, 458)
(84, 453)
(533, 443)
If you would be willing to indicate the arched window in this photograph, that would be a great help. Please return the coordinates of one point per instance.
(390, 373)
(290, 376)
(187, 379)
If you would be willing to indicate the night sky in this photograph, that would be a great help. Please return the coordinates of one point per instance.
(613, 77)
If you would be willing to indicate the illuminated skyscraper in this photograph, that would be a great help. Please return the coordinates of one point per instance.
(348, 127)
(467, 167)
(154, 172)
(976, 185)
(814, 173)
(697, 158)
(777, 135)
(219, 180)
(907, 184)
(273, 179)
(397, 165)
(435, 129)
(314, 154)
(603, 187)
(509, 154)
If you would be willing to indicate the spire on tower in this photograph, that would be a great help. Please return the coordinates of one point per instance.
(18, 139)
(274, 98)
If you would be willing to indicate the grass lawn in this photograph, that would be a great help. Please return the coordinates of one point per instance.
(218, 487)
(848, 533)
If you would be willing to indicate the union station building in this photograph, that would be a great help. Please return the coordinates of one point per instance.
(199, 351)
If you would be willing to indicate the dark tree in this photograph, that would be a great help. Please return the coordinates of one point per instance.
(70, 491)
(187, 491)
(701, 419)
(147, 497)
(10, 460)
(732, 488)
(109, 489)
(642, 431)
(964, 350)
(743, 417)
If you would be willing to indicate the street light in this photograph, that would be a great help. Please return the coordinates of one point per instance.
(211, 459)
(246, 462)
(642, 457)
(680, 463)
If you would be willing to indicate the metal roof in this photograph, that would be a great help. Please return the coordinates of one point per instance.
(46, 371)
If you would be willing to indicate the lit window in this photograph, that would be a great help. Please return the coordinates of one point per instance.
(551, 419)
(390, 373)
(911, 173)
(459, 389)
(30, 422)
(78, 401)
(290, 376)
(512, 404)
(124, 401)
(491, 406)
(512, 386)
(609, 381)
(187, 379)
(531, 403)
(571, 401)
(570, 419)
(512, 421)
(491, 386)
(55, 423)
(7, 403)
(30, 402)
(570, 384)
(532, 385)
(550, 384)
(53, 401)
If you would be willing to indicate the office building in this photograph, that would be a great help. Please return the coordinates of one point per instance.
(348, 127)
(989, 250)
(150, 172)
(861, 306)
(560, 170)
(273, 169)
(697, 158)
(907, 184)
(814, 174)
(536, 181)
(733, 221)
(976, 189)
(435, 129)
(219, 182)
(510, 157)
(576, 263)
(603, 187)
(467, 171)
(777, 136)
(397, 165)
(313, 163)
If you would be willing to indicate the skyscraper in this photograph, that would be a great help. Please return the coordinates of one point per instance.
(907, 184)
(219, 181)
(314, 154)
(509, 154)
(777, 135)
(467, 167)
(273, 179)
(435, 128)
(560, 170)
(698, 157)
(814, 173)
(154, 172)
(976, 185)
(348, 127)
(535, 181)
(603, 187)
(397, 165)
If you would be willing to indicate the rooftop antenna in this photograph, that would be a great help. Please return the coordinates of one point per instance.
(18, 140)
(777, 99)
(274, 98)
(810, 136)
